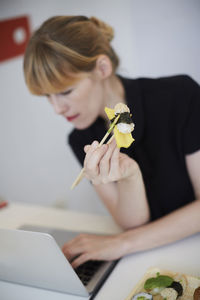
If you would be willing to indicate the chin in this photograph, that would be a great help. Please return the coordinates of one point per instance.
(86, 124)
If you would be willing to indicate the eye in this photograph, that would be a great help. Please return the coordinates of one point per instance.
(66, 92)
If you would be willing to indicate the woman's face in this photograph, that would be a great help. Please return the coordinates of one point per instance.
(81, 103)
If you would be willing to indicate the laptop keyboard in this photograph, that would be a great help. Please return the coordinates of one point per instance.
(86, 271)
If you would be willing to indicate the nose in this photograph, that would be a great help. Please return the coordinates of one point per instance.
(59, 106)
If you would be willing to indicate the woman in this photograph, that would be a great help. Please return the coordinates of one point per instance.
(152, 189)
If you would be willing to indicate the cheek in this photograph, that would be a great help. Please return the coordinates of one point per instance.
(88, 99)
(83, 100)
(95, 96)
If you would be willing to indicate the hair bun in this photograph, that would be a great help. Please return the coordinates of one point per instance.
(106, 29)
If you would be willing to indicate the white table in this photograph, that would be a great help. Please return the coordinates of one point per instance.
(182, 256)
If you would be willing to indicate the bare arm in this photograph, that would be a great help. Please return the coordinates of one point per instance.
(118, 181)
(181, 223)
(126, 200)
(175, 226)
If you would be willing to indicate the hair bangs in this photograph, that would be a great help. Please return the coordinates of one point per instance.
(48, 74)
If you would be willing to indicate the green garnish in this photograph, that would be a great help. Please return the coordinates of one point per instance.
(125, 117)
(141, 298)
(158, 282)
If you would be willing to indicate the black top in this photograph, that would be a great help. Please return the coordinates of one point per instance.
(166, 116)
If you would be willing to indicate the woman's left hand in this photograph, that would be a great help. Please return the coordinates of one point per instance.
(93, 247)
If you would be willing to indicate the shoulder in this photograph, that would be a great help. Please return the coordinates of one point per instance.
(173, 92)
(178, 86)
(73, 136)
(172, 83)
(77, 139)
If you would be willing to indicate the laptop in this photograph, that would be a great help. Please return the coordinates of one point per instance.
(31, 255)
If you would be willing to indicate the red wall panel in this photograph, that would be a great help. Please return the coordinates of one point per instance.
(14, 35)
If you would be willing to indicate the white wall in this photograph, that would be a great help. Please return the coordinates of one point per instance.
(166, 38)
(153, 38)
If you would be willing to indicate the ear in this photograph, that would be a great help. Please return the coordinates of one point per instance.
(103, 68)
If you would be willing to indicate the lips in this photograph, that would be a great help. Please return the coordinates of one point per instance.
(71, 118)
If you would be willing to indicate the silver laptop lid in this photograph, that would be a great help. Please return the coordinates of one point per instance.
(34, 258)
(92, 273)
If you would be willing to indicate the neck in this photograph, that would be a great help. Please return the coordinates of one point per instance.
(113, 93)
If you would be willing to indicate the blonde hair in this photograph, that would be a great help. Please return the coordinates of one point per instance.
(64, 48)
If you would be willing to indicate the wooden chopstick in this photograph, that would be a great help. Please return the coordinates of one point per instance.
(81, 174)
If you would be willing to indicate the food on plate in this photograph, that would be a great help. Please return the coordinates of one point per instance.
(197, 294)
(142, 296)
(156, 284)
(160, 284)
(124, 125)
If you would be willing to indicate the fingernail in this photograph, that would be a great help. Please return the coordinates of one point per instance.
(86, 148)
(95, 144)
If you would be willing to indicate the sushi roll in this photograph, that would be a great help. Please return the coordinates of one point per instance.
(166, 286)
(142, 296)
(173, 291)
(177, 287)
(169, 293)
(125, 123)
(196, 295)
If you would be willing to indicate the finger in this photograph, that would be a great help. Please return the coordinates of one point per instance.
(104, 166)
(91, 164)
(114, 164)
(86, 148)
(80, 260)
(76, 246)
(90, 150)
(71, 249)
(69, 254)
